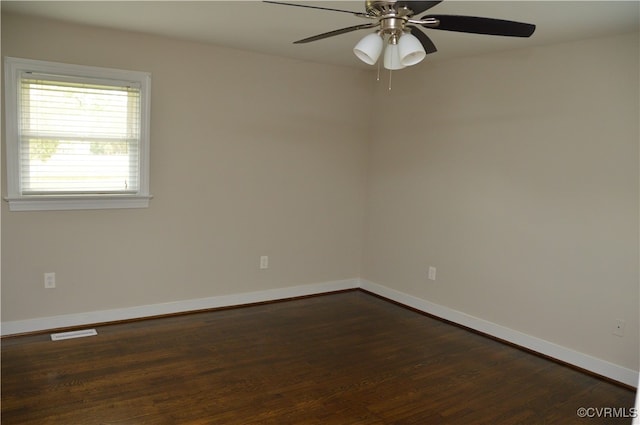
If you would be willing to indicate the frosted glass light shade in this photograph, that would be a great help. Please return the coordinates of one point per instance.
(392, 57)
(369, 48)
(410, 49)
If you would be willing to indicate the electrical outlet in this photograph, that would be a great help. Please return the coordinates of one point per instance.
(49, 280)
(264, 262)
(619, 329)
(432, 273)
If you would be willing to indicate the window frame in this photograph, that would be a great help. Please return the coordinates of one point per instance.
(38, 202)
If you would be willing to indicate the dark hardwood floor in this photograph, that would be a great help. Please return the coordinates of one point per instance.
(346, 358)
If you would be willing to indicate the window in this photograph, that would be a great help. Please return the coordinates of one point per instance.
(77, 136)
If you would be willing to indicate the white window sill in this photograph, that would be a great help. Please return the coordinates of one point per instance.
(80, 202)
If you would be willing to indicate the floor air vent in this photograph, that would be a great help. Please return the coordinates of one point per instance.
(73, 334)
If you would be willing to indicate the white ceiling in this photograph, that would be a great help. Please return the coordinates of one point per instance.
(271, 29)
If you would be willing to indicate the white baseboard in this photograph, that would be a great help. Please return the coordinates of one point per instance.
(598, 366)
(601, 367)
(103, 316)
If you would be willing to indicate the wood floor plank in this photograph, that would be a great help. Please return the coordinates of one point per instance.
(347, 358)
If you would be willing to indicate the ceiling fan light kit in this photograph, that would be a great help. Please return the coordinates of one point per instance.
(406, 42)
(399, 53)
(410, 50)
(369, 48)
(392, 59)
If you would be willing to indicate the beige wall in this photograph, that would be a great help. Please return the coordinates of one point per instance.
(250, 155)
(516, 175)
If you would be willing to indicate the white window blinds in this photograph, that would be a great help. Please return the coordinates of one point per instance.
(78, 136)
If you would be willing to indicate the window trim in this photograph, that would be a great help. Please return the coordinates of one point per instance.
(20, 202)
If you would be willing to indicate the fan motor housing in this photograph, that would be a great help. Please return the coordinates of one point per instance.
(392, 25)
(388, 7)
(380, 8)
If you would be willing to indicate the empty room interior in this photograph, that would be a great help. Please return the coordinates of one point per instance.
(310, 239)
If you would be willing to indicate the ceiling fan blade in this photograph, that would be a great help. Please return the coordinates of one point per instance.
(428, 45)
(314, 7)
(335, 32)
(477, 25)
(418, 6)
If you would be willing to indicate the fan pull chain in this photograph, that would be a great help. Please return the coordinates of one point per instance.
(390, 72)
(378, 76)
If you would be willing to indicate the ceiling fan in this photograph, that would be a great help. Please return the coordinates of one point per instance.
(397, 24)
